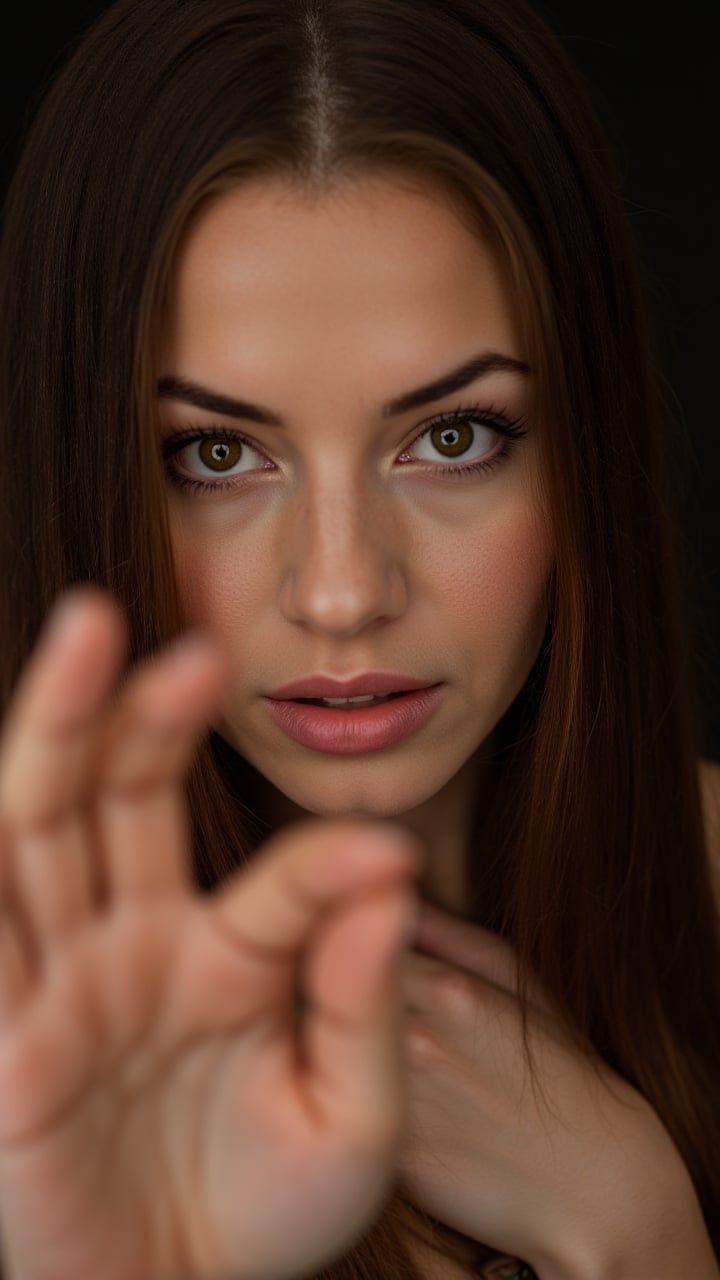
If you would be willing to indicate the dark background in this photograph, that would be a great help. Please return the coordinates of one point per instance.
(653, 76)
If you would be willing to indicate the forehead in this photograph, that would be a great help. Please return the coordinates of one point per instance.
(378, 266)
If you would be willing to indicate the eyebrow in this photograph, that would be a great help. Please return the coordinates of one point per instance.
(478, 366)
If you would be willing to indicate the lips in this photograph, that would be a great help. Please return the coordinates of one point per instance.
(380, 682)
(346, 732)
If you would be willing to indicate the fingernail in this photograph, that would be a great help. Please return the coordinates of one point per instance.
(189, 646)
(388, 828)
(64, 615)
(399, 835)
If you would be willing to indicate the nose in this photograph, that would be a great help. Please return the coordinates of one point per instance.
(343, 572)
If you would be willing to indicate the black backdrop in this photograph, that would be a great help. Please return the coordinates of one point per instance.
(653, 76)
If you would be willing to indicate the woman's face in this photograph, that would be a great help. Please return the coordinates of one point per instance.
(343, 538)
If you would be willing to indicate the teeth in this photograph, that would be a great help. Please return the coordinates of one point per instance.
(361, 698)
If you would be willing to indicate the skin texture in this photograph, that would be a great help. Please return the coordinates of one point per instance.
(341, 559)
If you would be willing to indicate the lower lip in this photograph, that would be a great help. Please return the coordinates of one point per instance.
(347, 733)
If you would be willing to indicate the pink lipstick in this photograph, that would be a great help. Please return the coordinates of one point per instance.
(313, 711)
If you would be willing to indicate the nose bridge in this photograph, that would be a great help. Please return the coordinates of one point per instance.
(336, 509)
(343, 571)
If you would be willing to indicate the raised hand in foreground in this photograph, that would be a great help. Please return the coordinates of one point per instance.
(163, 1112)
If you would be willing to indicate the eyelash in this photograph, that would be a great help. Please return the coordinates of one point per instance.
(512, 429)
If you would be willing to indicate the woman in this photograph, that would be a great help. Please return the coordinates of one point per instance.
(323, 338)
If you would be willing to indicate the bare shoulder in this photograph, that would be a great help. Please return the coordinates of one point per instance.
(710, 797)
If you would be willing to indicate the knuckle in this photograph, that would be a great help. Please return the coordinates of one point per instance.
(423, 1048)
(456, 990)
(39, 785)
(143, 744)
(142, 758)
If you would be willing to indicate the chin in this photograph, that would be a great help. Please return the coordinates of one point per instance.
(386, 796)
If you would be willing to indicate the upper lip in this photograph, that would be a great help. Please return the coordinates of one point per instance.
(368, 682)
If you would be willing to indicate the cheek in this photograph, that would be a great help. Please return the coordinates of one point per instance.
(494, 584)
(217, 584)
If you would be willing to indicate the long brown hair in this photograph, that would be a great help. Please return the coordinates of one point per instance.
(592, 859)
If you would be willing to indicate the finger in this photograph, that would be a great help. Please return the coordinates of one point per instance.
(47, 737)
(274, 905)
(329, 905)
(15, 969)
(59, 693)
(478, 950)
(56, 884)
(465, 945)
(145, 751)
(446, 997)
(355, 1059)
(16, 964)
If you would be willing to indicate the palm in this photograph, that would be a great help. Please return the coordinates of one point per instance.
(161, 1115)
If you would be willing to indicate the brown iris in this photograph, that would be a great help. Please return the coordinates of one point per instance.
(455, 439)
(219, 454)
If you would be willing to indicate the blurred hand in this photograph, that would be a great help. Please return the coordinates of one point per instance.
(580, 1178)
(164, 1110)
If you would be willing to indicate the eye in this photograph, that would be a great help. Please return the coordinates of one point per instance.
(452, 439)
(224, 455)
(463, 440)
(454, 445)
